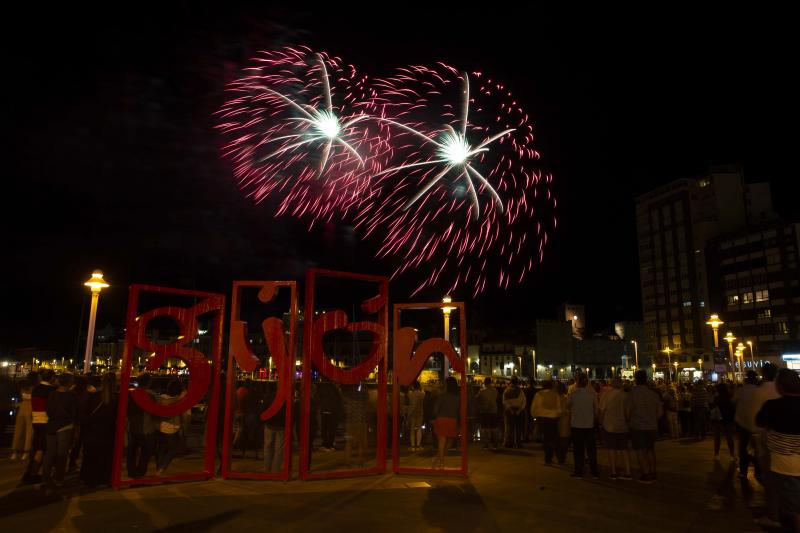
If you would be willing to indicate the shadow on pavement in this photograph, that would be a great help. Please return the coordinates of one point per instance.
(204, 523)
(472, 515)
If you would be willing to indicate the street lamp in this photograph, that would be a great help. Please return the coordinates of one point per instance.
(715, 323)
(668, 351)
(730, 338)
(700, 366)
(446, 312)
(739, 357)
(612, 371)
(654, 370)
(752, 355)
(675, 364)
(636, 351)
(96, 283)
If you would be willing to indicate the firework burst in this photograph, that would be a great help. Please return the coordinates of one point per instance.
(292, 130)
(463, 202)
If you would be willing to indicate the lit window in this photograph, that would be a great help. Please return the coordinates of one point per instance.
(766, 313)
(702, 303)
(705, 182)
(733, 299)
(762, 295)
(687, 303)
(747, 298)
(782, 328)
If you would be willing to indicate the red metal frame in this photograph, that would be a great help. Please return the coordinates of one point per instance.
(312, 353)
(202, 374)
(283, 356)
(408, 364)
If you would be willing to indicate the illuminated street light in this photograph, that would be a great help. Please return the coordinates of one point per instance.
(668, 351)
(636, 351)
(654, 370)
(715, 323)
(675, 364)
(96, 283)
(730, 338)
(446, 312)
(752, 354)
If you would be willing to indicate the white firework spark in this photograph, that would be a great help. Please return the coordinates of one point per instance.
(454, 152)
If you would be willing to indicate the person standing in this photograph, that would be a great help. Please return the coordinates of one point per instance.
(670, 398)
(615, 411)
(447, 413)
(141, 433)
(685, 409)
(61, 413)
(41, 391)
(514, 406)
(765, 392)
(23, 427)
(98, 425)
(699, 410)
(583, 405)
(781, 418)
(330, 401)
(274, 432)
(745, 419)
(547, 408)
(168, 436)
(564, 421)
(722, 413)
(646, 410)
(414, 415)
(487, 413)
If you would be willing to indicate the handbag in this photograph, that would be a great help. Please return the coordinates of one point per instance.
(715, 414)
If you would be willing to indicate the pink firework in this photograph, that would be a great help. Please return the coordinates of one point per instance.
(462, 201)
(292, 130)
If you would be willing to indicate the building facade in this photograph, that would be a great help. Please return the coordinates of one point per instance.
(674, 225)
(754, 280)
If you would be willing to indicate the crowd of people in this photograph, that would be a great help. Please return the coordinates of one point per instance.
(761, 415)
(66, 423)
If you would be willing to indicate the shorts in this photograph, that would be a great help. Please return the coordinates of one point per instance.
(789, 492)
(446, 427)
(615, 441)
(488, 420)
(643, 440)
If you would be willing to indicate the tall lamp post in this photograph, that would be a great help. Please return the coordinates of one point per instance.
(715, 323)
(446, 312)
(668, 351)
(730, 338)
(96, 283)
(752, 355)
(675, 364)
(636, 351)
(654, 371)
(740, 349)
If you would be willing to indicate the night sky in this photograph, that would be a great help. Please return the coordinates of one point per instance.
(112, 161)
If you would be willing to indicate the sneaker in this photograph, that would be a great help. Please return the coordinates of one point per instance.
(625, 477)
(612, 475)
(766, 521)
(14, 456)
(25, 456)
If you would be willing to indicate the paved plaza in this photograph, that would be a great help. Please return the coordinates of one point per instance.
(508, 490)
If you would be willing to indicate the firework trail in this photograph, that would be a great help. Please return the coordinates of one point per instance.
(462, 201)
(292, 130)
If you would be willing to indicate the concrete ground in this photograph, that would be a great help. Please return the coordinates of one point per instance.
(508, 490)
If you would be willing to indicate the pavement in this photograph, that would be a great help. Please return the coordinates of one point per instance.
(507, 490)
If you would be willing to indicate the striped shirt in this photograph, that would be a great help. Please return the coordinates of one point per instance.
(781, 417)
